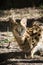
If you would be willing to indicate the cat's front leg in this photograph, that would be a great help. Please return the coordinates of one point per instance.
(35, 49)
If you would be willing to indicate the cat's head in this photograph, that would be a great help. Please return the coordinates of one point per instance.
(20, 26)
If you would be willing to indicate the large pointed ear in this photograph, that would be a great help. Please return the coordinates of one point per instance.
(12, 19)
(24, 22)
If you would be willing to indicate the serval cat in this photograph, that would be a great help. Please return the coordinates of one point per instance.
(28, 38)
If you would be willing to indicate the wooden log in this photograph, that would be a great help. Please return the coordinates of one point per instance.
(16, 13)
(26, 60)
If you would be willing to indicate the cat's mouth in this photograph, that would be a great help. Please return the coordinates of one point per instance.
(20, 30)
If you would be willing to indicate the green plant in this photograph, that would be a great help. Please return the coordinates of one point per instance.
(41, 6)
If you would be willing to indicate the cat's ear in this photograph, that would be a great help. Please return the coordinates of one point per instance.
(12, 19)
(24, 22)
